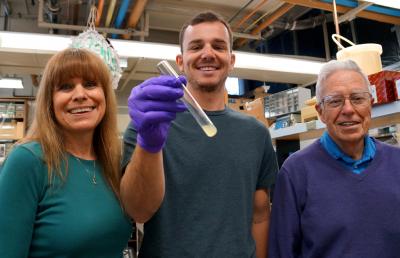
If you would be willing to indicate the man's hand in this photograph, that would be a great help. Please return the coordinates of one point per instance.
(152, 106)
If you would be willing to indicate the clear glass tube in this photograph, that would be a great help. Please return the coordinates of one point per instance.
(194, 108)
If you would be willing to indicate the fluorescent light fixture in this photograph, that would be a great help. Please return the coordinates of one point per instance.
(49, 44)
(276, 63)
(388, 3)
(232, 86)
(11, 83)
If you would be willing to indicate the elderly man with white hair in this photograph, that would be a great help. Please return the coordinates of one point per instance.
(340, 196)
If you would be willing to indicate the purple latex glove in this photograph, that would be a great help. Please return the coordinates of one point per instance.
(152, 106)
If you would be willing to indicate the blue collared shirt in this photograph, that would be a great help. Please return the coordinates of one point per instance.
(357, 166)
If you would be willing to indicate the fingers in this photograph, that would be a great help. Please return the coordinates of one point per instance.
(166, 80)
(150, 105)
(143, 120)
(182, 79)
(160, 93)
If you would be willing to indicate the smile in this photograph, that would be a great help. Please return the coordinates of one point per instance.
(348, 123)
(81, 110)
(208, 68)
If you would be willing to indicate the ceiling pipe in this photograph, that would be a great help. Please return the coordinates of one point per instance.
(75, 13)
(351, 15)
(305, 24)
(245, 18)
(299, 13)
(255, 22)
(110, 12)
(137, 11)
(278, 13)
(327, 6)
(240, 10)
(120, 16)
(100, 7)
(43, 24)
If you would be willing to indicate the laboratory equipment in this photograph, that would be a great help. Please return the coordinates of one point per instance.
(194, 108)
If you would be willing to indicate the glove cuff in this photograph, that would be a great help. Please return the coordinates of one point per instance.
(148, 147)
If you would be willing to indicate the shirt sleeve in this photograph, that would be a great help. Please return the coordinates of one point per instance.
(129, 145)
(21, 187)
(285, 232)
(269, 165)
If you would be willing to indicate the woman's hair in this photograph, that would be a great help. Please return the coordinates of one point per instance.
(67, 64)
(333, 66)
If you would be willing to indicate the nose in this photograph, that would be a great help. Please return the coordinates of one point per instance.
(79, 93)
(208, 52)
(347, 106)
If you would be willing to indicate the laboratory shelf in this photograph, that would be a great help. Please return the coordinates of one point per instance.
(386, 109)
(381, 115)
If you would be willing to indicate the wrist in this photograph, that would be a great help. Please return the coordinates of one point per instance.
(152, 148)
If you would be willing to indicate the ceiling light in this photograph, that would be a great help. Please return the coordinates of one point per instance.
(11, 83)
(50, 44)
(388, 3)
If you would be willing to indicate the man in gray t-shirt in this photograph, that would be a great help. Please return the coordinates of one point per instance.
(199, 196)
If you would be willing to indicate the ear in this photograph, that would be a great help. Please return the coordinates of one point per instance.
(179, 62)
(233, 60)
(320, 112)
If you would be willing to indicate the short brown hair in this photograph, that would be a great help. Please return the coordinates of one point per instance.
(208, 16)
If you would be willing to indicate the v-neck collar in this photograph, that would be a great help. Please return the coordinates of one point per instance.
(341, 168)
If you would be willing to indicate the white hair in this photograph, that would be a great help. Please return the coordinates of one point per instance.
(334, 66)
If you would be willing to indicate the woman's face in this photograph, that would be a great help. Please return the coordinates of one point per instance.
(79, 105)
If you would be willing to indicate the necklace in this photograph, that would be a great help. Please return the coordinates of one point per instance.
(94, 181)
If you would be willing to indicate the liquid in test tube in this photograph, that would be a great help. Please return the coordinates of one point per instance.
(194, 108)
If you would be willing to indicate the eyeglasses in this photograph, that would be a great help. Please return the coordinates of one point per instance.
(357, 99)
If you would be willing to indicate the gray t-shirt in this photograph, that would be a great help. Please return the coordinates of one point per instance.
(210, 182)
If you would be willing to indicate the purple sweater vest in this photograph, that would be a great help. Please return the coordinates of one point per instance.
(321, 210)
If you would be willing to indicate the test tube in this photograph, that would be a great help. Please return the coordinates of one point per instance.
(194, 108)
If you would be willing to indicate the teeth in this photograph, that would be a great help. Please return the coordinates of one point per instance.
(347, 123)
(81, 110)
(207, 68)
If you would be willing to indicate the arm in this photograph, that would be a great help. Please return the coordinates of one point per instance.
(21, 185)
(152, 107)
(261, 217)
(143, 184)
(285, 230)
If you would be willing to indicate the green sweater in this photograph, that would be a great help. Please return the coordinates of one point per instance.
(75, 218)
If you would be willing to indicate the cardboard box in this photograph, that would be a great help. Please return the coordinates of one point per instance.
(238, 103)
(256, 108)
(383, 86)
(12, 130)
(20, 130)
(261, 92)
(19, 114)
(308, 113)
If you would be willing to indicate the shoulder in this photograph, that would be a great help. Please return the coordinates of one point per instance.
(244, 119)
(29, 150)
(386, 149)
(25, 164)
(303, 158)
(381, 146)
(32, 147)
(25, 156)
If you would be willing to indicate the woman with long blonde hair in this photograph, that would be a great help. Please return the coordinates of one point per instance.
(59, 187)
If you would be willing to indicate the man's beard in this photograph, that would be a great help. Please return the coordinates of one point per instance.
(209, 88)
